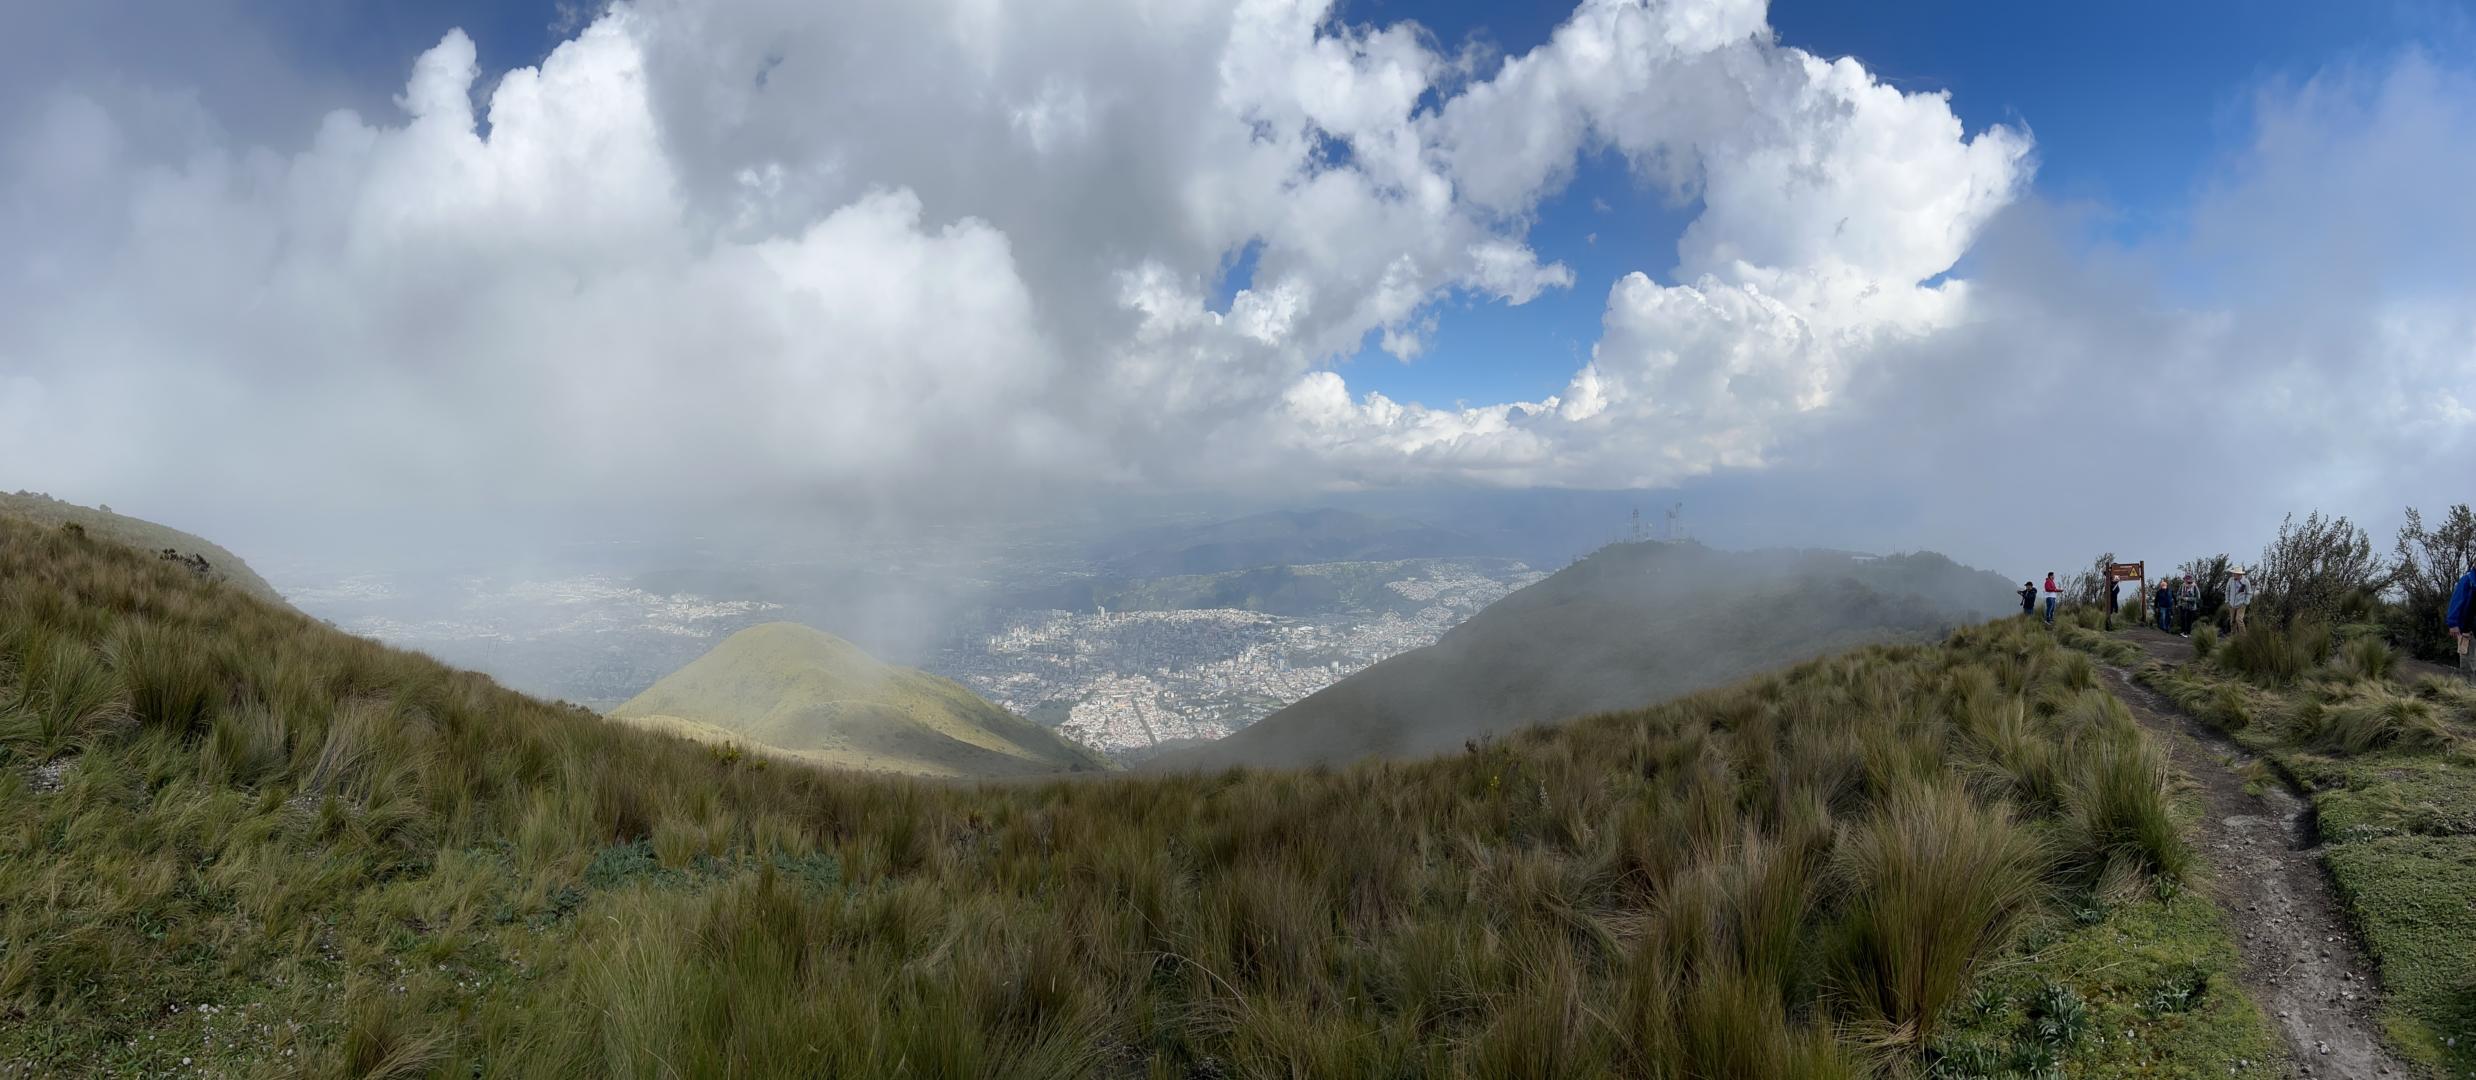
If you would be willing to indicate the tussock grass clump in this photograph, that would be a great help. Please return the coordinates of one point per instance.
(1937, 884)
(56, 695)
(2226, 709)
(2367, 658)
(2204, 641)
(407, 870)
(2369, 719)
(2121, 813)
(2275, 656)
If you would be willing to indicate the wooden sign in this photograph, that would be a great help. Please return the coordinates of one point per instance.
(2128, 571)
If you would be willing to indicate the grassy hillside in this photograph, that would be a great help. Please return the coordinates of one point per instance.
(45, 511)
(234, 841)
(800, 690)
(1632, 623)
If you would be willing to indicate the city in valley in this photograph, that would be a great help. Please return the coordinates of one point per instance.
(1123, 682)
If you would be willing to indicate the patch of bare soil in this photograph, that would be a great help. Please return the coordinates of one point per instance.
(2163, 647)
(2301, 961)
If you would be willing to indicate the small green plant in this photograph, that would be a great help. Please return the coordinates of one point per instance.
(2204, 641)
(2180, 991)
(2058, 1017)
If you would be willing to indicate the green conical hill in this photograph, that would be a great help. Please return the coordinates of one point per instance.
(809, 694)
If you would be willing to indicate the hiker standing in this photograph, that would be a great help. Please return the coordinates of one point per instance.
(2239, 594)
(2163, 602)
(2461, 619)
(2113, 601)
(2192, 603)
(2054, 592)
(2028, 598)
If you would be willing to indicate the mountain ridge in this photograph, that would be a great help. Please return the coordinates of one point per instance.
(1626, 627)
(221, 564)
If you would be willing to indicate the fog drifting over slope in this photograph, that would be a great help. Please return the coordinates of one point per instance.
(710, 257)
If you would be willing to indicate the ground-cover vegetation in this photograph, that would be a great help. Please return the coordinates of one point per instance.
(235, 840)
(2387, 757)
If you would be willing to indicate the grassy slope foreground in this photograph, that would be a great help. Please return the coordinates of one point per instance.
(817, 697)
(1632, 623)
(234, 841)
(2388, 757)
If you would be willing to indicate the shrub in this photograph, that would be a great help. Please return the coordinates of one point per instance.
(2317, 570)
(2429, 561)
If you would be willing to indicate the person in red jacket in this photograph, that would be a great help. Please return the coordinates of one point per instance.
(2054, 592)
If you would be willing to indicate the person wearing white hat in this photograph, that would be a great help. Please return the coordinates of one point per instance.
(2239, 595)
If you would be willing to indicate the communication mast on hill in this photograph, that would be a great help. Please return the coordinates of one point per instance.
(1676, 525)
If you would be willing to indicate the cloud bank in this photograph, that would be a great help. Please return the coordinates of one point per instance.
(957, 252)
(956, 248)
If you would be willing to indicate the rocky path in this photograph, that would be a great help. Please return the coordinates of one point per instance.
(2300, 960)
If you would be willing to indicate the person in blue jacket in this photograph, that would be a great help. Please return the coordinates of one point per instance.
(2164, 603)
(2461, 619)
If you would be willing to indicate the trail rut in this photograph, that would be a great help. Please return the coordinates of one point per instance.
(2300, 959)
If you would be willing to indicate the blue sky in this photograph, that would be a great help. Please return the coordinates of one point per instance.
(2132, 106)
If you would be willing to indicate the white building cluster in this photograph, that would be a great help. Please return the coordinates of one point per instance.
(1131, 681)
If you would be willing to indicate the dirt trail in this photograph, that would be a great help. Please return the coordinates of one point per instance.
(2301, 961)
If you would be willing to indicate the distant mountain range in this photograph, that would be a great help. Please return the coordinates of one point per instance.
(1629, 626)
(1297, 591)
(147, 536)
(804, 693)
(1279, 538)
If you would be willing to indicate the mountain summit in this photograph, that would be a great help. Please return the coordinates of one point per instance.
(811, 695)
(1628, 627)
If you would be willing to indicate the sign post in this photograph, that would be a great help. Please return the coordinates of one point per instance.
(2121, 572)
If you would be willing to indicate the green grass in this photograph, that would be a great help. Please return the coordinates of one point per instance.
(266, 848)
(2415, 901)
(2390, 768)
(2155, 986)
